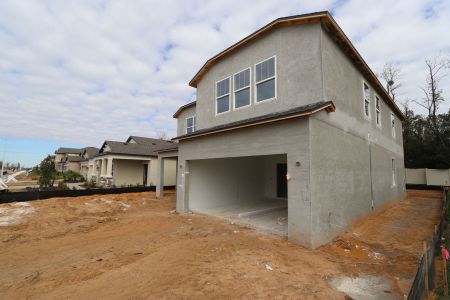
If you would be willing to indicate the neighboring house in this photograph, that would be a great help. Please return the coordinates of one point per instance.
(86, 154)
(62, 161)
(291, 131)
(133, 162)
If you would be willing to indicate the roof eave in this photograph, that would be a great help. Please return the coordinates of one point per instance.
(328, 107)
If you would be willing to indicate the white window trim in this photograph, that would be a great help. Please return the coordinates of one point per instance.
(255, 101)
(377, 110)
(394, 172)
(194, 121)
(249, 87)
(393, 128)
(364, 101)
(229, 96)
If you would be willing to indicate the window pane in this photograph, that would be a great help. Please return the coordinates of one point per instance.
(265, 69)
(242, 98)
(189, 122)
(242, 79)
(223, 87)
(258, 72)
(265, 90)
(271, 67)
(189, 130)
(223, 104)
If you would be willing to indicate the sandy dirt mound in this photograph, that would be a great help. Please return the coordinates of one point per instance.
(133, 246)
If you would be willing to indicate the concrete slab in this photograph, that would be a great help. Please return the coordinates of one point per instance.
(269, 215)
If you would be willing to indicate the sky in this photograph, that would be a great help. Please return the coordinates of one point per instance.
(76, 73)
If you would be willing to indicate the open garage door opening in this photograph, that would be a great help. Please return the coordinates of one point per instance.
(250, 191)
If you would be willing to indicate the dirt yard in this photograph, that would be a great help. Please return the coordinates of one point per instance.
(133, 246)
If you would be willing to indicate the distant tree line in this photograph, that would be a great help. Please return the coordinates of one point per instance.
(426, 138)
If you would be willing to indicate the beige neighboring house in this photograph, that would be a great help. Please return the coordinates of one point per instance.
(87, 153)
(133, 162)
(67, 159)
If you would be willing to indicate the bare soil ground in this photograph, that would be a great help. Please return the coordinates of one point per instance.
(133, 246)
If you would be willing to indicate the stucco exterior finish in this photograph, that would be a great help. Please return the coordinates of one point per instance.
(128, 172)
(345, 157)
(288, 137)
(181, 124)
(299, 80)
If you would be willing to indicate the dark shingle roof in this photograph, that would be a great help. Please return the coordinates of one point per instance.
(63, 150)
(143, 147)
(171, 147)
(74, 158)
(90, 151)
(300, 111)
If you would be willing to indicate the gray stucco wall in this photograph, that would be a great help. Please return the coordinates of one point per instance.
(350, 155)
(345, 157)
(298, 81)
(181, 119)
(287, 137)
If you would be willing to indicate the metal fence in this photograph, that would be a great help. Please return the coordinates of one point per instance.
(424, 279)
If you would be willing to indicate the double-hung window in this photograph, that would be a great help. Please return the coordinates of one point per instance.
(394, 172)
(366, 100)
(190, 124)
(223, 96)
(392, 125)
(242, 88)
(378, 110)
(265, 79)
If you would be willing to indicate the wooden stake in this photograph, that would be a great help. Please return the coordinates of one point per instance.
(444, 275)
(425, 261)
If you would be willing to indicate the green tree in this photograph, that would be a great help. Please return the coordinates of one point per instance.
(47, 173)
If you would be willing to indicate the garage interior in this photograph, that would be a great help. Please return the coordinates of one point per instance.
(250, 191)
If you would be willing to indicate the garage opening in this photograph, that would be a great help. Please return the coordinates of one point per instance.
(250, 191)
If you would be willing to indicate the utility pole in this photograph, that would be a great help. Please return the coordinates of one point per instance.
(4, 158)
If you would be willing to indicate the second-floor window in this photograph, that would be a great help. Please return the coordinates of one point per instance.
(190, 125)
(378, 110)
(241, 88)
(265, 78)
(366, 100)
(392, 125)
(223, 96)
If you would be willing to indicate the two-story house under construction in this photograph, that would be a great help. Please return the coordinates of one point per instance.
(291, 132)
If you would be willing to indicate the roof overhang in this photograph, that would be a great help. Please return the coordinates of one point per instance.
(298, 112)
(182, 108)
(330, 26)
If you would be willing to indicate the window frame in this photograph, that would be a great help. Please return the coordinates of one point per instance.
(229, 96)
(394, 172)
(194, 124)
(392, 125)
(255, 100)
(368, 117)
(378, 111)
(249, 87)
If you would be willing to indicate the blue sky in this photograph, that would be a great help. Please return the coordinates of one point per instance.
(74, 73)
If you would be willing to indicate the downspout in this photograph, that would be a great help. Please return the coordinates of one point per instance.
(370, 169)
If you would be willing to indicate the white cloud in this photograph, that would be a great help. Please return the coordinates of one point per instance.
(86, 71)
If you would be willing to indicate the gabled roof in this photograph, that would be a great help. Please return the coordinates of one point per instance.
(301, 111)
(90, 151)
(142, 147)
(147, 141)
(330, 26)
(182, 108)
(74, 158)
(63, 150)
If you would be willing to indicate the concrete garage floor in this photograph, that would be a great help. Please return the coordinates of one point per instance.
(268, 215)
